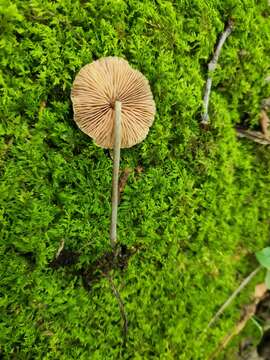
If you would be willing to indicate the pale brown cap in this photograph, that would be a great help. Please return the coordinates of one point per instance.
(96, 88)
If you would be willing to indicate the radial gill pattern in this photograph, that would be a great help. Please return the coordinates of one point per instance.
(96, 88)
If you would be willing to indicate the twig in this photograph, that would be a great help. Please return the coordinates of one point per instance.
(255, 136)
(249, 311)
(233, 296)
(211, 68)
(116, 162)
(121, 308)
(61, 247)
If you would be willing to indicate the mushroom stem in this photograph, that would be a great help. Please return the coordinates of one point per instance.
(116, 162)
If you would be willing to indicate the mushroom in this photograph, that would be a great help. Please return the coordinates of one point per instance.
(113, 104)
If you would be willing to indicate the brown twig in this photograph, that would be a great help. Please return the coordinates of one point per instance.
(248, 312)
(256, 136)
(263, 136)
(211, 68)
(121, 308)
(233, 296)
(61, 247)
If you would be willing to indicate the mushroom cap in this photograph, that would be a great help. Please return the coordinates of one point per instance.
(96, 88)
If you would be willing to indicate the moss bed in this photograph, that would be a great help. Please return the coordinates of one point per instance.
(195, 207)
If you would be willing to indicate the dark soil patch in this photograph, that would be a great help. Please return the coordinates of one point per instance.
(91, 274)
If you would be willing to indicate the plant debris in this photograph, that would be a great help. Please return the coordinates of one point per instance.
(256, 136)
(264, 122)
(91, 274)
(233, 296)
(64, 258)
(248, 312)
(111, 260)
(121, 308)
(211, 68)
(102, 267)
(123, 181)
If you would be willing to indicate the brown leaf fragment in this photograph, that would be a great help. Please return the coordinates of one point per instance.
(264, 123)
(123, 180)
(260, 291)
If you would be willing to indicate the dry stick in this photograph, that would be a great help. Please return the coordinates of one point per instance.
(211, 68)
(121, 308)
(249, 312)
(233, 296)
(61, 247)
(116, 162)
(255, 136)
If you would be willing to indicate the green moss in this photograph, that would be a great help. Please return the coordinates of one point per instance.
(197, 211)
